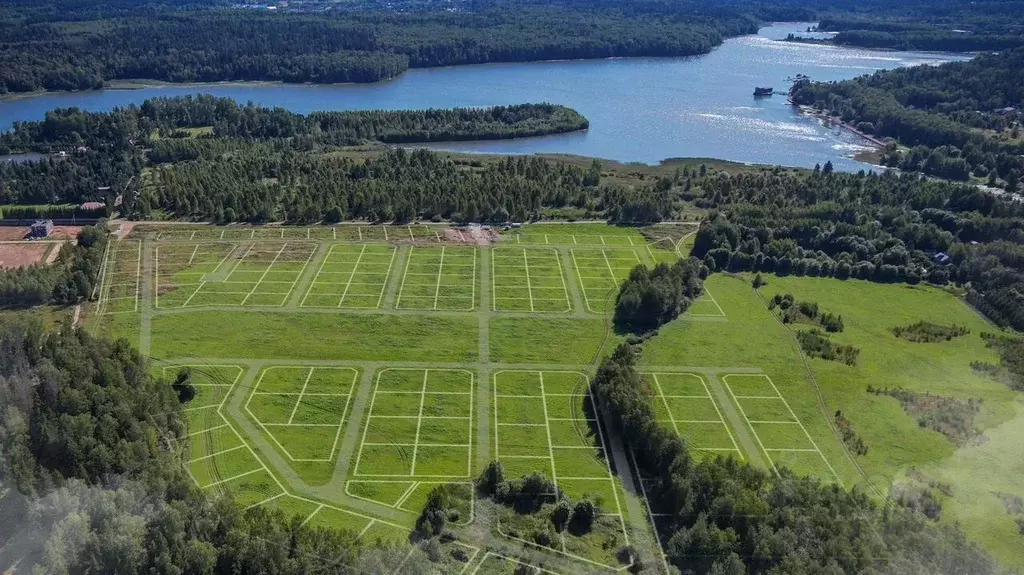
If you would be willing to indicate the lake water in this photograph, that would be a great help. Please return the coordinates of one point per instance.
(21, 158)
(640, 110)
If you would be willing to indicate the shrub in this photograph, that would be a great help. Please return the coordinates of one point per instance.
(183, 385)
(560, 514)
(583, 515)
(925, 332)
(817, 344)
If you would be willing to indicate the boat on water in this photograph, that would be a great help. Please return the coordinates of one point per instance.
(759, 91)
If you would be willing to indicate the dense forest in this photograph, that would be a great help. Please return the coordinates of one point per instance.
(960, 120)
(730, 518)
(141, 127)
(63, 45)
(91, 480)
(962, 27)
(242, 45)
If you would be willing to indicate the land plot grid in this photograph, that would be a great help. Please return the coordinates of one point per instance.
(684, 403)
(182, 268)
(253, 274)
(303, 409)
(528, 279)
(122, 269)
(419, 424)
(778, 431)
(545, 422)
(351, 277)
(439, 278)
(593, 240)
(601, 270)
(219, 458)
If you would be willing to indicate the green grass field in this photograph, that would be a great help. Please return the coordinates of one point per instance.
(344, 372)
(896, 442)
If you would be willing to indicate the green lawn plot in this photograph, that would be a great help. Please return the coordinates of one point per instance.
(752, 339)
(180, 269)
(683, 402)
(496, 564)
(662, 251)
(261, 274)
(549, 340)
(420, 233)
(544, 421)
(419, 424)
(976, 471)
(593, 235)
(119, 287)
(314, 336)
(351, 277)
(175, 233)
(778, 431)
(439, 278)
(209, 434)
(218, 457)
(302, 410)
(462, 499)
(600, 271)
(291, 506)
(410, 495)
(334, 518)
(390, 492)
(381, 233)
(528, 279)
(705, 306)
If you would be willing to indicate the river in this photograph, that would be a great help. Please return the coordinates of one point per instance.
(640, 109)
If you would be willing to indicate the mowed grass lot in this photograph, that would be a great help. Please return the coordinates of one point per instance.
(256, 274)
(753, 338)
(312, 336)
(382, 370)
(977, 471)
(302, 412)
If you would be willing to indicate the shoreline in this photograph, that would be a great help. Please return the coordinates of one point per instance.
(831, 120)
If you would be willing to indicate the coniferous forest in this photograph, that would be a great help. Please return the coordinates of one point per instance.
(959, 120)
(185, 45)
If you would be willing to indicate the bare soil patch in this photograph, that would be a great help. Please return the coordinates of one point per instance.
(124, 230)
(52, 256)
(21, 255)
(65, 232)
(472, 236)
(11, 233)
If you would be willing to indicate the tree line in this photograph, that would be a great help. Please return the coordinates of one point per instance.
(219, 44)
(651, 297)
(133, 127)
(949, 27)
(884, 228)
(730, 518)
